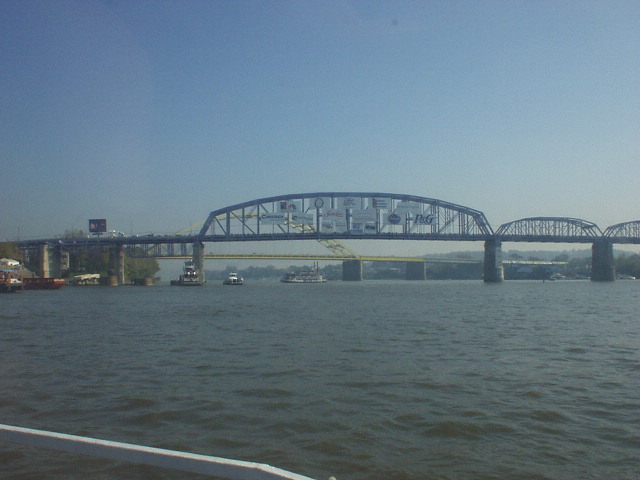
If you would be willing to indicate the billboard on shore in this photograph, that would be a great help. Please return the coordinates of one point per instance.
(97, 225)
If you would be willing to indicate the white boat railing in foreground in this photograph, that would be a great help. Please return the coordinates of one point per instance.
(159, 457)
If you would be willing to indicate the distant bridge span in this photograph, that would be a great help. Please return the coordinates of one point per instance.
(628, 232)
(328, 217)
(549, 229)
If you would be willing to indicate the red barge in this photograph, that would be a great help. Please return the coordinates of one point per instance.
(43, 283)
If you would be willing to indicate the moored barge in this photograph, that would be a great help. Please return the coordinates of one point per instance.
(43, 283)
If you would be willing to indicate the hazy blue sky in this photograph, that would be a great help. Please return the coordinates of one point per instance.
(153, 113)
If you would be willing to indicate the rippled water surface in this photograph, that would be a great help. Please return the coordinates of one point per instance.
(360, 380)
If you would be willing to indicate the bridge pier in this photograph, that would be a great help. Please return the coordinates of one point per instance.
(116, 265)
(416, 271)
(352, 270)
(198, 260)
(493, 270)
(50, 262)
(602, 266)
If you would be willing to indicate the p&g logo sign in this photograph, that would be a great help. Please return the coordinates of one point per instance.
(421, 219)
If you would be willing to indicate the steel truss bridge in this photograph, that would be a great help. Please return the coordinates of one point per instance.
(329, 217)
(566, 230)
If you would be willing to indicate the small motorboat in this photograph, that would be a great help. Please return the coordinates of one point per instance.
(233, 279)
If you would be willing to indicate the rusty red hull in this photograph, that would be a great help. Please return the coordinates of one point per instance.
(43, 283)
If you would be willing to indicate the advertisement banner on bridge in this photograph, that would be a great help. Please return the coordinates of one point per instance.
(407, 208)
(335, 215)
(357, 228)
(425, 219)
(349, 202)
(334, 220)
(392, 218)
(327, 226)
(363, 215)
(302, 218)
(273, 218)
(290, 206)
(340, 227)
(330, 226)
(362, 228)
(381, 203)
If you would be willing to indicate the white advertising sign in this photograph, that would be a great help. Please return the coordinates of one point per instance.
(339, 226)
(273, 218)
(393, 218)
(289, 206)
(334, 214)
(302, 218)
(327, 226)
(340, 221)
(360, 228)
(363, 215)
(380, 203)
(357, 228)
(349, 202)
(334, 220)
(408, 207)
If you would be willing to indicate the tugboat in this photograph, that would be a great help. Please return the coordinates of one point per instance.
(233, 279)
(189, 277)
(311, 275)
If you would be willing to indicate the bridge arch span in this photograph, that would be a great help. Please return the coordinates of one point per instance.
(627, 232)
(341, 215)
(549, 229)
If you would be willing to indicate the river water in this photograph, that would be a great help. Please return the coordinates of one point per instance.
(360, 380)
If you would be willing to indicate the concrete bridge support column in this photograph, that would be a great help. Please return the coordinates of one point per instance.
(602, 266)
(416, 271)
(198, 260)
(493, 270)
(120, 263)
(352, 270)
(116, 265)
(50, 264)
(43, 264)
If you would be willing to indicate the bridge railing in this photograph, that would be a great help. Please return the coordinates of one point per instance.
(158, 457)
